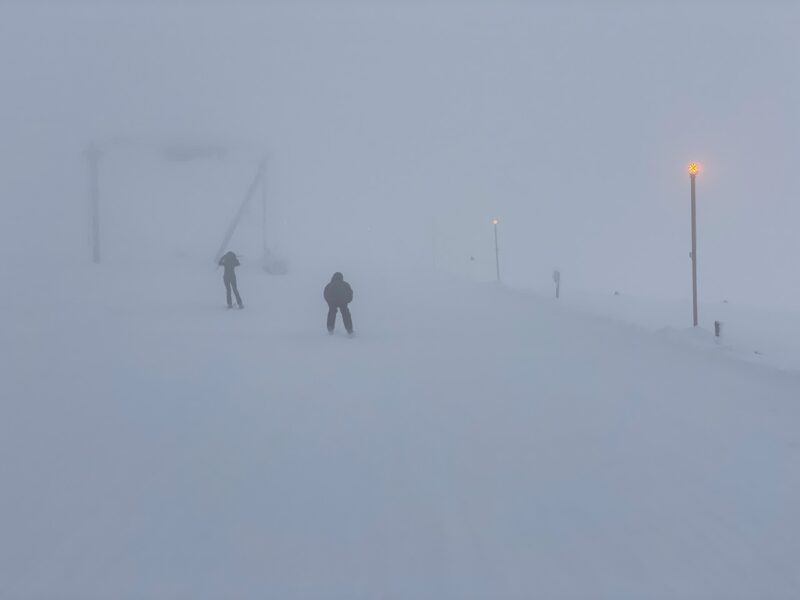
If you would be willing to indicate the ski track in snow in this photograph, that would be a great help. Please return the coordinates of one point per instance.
(470, 442)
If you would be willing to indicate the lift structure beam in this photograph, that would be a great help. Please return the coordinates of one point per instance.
(242, 208)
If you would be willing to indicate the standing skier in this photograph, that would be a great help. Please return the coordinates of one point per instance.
(338, 294)
(230, 262)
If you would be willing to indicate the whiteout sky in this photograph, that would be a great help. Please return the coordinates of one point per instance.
(396, 132)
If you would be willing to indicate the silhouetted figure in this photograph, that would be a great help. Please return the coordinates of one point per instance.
(230, 262)
(338, 294)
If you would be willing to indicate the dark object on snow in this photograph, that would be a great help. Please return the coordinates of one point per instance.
(338, 294)
(230, 262)
(717, 329)
(557, 281)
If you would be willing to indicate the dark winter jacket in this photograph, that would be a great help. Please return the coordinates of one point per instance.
(229, 261)
(338, 292)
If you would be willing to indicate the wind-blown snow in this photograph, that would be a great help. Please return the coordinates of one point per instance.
(470, 442)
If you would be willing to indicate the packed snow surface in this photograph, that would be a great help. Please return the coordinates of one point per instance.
(471, 441)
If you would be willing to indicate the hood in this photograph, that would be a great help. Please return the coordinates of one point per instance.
(337, 277)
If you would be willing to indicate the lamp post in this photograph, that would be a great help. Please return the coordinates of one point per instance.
(264, 249)
(693, 169)
(496, 250)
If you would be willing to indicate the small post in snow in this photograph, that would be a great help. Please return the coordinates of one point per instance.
(496, 249)
(557, 281)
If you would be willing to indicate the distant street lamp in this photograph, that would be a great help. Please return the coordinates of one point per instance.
(694, 169)
(496, 249)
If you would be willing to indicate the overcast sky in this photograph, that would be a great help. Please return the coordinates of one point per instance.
(398, 131)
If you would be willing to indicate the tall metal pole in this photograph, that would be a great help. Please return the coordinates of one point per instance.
(264, 215)
(93, 157)
(434, 242)
(693, 177)
(496, 251)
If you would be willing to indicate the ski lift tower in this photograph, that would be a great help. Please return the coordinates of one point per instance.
(172, 152)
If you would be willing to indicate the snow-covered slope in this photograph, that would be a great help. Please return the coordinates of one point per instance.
(470, 442)
(762, 335)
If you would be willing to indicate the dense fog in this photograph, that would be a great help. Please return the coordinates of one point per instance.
(394, 133)
(451, 437)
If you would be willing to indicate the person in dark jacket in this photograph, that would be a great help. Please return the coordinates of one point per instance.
(230, 262)
(338, 294)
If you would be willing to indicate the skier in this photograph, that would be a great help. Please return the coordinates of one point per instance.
(338, 294)
(230, 262)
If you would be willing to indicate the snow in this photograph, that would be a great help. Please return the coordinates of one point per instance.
(762, 334)
(473, 441)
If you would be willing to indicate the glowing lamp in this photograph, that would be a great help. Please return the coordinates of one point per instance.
(694, 169)
(495, 221)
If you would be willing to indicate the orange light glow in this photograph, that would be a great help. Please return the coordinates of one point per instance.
(495, 221)
(694, 169)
